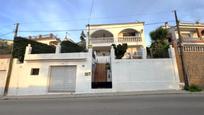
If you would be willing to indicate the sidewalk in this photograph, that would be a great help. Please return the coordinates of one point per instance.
(53, 96)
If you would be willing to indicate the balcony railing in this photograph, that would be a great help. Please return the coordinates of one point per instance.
(102, 40)
(193, 48)
(130, 39)
(185, 39)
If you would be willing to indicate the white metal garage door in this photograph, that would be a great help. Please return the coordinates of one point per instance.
(62, 79)
(2, 81)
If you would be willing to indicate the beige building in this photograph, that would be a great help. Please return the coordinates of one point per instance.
(192, 35)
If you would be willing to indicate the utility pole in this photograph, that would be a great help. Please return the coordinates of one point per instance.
(88, 37)
(180, 45)
(10, 62)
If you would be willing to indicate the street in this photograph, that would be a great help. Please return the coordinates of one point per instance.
(173, 104)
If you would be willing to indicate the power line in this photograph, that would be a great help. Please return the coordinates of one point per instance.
(92, 18)
(5, 26)
(80, 29)
(6, 34)
(91, 10)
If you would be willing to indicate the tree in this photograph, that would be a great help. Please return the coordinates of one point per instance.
(120, 50)
(82, 36)
(160, 45)
(82, 43)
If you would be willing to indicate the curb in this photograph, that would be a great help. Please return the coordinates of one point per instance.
(86, 95)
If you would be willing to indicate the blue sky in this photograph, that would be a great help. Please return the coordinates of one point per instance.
(73, 14)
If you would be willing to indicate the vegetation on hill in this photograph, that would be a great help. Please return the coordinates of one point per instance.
(5, 48)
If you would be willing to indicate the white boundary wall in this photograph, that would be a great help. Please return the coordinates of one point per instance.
(127, 74)
(145, 74)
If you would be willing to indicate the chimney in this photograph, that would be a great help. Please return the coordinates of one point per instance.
(51, 35)
(166, 25)
(40, 36)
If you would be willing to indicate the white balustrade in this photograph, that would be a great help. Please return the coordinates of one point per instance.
(185, 39)
(130, 39)
(102, 40)
(190, 48)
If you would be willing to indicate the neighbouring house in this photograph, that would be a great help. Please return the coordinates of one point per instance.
(192, 35)
(49, 39)
(6, 41)
(4, 66)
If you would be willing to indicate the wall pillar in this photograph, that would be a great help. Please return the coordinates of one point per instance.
(172, 55)
(58, 49)
(144, 53)
(28, 49)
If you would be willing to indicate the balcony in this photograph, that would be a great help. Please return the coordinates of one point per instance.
(102, 40)
(126, 39)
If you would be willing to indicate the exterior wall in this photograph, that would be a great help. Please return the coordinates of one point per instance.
(4, 65)
(23, 83)
(195, 67)
(145, 74)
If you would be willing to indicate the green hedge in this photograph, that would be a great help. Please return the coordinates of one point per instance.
(67, 47)
(20, 44)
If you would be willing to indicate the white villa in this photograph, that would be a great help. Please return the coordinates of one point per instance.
(102, 36)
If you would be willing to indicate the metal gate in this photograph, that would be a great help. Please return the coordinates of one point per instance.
(62, 79)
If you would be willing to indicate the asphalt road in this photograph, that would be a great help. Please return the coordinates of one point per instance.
(111, 105)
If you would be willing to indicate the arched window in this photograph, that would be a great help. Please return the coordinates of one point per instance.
(101, 34)
(202, 32)
(129, 32)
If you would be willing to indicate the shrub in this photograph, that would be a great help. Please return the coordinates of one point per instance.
(67, 47)
(120, 50)
(193, 88)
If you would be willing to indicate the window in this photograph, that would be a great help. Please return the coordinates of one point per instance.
(129, 34)
(35, 71)
(186, 35)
